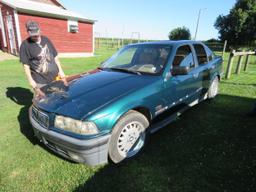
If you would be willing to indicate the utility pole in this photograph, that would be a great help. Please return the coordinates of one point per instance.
(198, 20)
(123, 36)
(135, 33)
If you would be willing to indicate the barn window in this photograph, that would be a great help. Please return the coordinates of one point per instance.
(73, 26)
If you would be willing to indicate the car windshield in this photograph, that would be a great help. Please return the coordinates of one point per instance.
(147, 58)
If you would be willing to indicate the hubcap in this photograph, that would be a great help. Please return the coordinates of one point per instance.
(215, 88)
(131, 139)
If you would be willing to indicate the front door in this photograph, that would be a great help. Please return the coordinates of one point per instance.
(11, 34)
(183, 89)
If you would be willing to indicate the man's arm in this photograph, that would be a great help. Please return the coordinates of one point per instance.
(57, 61)
(61, 72)
(31, 81)
(29, 77)
(56, 58)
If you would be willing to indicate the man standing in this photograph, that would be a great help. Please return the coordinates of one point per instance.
(39, 58)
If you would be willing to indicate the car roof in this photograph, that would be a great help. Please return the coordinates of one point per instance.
(165, 42)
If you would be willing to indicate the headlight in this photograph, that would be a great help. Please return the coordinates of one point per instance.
(75, 126)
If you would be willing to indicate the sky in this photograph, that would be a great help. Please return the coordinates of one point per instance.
(151, 19)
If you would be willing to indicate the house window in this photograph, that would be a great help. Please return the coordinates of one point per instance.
(73, 26)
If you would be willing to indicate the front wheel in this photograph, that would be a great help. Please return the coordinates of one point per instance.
(214, 88)
(128, 136)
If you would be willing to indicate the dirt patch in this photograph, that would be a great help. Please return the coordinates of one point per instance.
(6, 56)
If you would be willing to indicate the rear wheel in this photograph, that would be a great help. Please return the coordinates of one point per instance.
(214, 88)
(128, 136)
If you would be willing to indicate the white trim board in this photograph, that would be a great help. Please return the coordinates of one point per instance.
(93, 39)
(3, 28)
(17, 24)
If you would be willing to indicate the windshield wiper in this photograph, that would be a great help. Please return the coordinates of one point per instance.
(125, 70)
(100, 68)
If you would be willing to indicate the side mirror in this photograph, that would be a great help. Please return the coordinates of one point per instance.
(180, 70)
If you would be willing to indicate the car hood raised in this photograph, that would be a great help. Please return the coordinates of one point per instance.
(91, 92)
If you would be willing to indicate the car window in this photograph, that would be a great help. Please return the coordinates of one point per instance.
(184, 57)
(124, 57)
(210, 54)
(201, 54)
(142, 58)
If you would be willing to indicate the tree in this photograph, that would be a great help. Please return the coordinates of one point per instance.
(213, 40)
(180, 33)
(239, 26)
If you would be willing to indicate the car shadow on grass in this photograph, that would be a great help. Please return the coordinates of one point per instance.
(22, 96)
(212, 147)
(238, 84)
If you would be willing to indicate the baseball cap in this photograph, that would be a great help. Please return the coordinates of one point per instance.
(33, 28)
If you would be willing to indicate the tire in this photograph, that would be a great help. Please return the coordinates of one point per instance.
(128, 136)
(214, 88)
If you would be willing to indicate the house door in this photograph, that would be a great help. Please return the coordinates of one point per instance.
(11, 34)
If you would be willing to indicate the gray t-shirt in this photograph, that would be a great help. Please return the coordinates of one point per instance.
(41, 59)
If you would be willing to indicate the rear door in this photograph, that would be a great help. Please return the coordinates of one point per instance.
(204, 67)
(214, 65)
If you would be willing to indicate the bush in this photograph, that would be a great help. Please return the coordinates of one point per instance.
(180, 33)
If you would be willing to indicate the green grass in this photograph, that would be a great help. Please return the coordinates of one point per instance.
(212, 147)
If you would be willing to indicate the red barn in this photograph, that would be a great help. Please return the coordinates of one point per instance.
(71, 33)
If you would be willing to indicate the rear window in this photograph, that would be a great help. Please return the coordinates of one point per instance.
(209, 53)
(201, 54)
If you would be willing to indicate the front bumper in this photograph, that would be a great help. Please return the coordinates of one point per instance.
(92, 152)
